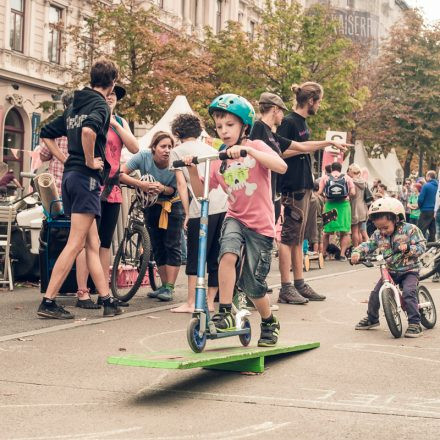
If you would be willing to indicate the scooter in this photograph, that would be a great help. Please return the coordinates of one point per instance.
(201, 327)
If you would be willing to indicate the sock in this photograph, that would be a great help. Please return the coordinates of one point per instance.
(299, 283)
(225, 308)
(268, 320)
(286, 284)
(48, 301)
(169, 286)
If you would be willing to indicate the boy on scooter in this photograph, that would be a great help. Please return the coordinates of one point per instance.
(406, 242)
(249, 222)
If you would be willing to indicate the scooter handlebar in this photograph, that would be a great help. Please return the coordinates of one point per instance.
(196, 160)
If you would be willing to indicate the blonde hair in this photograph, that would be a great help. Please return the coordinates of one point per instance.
(354, 168)
(306, 91)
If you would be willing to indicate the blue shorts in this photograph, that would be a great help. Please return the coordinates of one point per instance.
(81, 194)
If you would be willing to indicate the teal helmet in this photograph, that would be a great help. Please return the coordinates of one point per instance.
(236, 105)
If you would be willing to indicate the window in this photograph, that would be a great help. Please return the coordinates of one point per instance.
(55, 27)
(13, 141)
(17, 25)
(218, 26)
(252, 30)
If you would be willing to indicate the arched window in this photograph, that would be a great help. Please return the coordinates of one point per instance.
(13, 142)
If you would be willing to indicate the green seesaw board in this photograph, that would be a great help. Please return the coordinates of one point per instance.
(225, 358)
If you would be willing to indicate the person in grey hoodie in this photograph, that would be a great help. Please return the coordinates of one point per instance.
(426, 202)
(85, 123)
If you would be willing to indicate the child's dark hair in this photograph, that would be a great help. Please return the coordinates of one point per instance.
(388, 215)
(186, 125)
(336, 166)
(220, 114)
(103, 73)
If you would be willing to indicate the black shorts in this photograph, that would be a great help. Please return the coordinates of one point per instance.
(80, 194)
(108, 222)
(167, 243)
(215, 222)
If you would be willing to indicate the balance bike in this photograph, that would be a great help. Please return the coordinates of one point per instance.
(201, 327)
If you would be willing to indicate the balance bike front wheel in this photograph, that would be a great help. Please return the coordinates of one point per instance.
(392, 314)
(195, 341)
(428, 315)
(246, 339)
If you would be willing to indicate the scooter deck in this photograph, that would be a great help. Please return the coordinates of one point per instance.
(249, 359)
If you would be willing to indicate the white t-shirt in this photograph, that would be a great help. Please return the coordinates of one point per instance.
(218, 199)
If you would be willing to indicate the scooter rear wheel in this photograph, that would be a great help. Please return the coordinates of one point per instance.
(195, 341)
(392, 315)
(428, 316)
(246, 339)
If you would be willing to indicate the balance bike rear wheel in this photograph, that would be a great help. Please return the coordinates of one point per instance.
(428, 316)
(196, 342)
(246, 339)
(391, 313)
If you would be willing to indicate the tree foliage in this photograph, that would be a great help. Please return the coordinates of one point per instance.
(155, 64)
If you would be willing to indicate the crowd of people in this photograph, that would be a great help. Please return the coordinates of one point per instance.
(251, 198)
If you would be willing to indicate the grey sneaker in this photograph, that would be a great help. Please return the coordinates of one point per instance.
(413, 331)
(289, 295)
(366, 324)
(307, 292)
(436, 278)
(154, 293)
(166, 295)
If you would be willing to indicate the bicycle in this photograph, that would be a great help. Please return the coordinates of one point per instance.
(430, 260)
(134, 257)
(392, 302)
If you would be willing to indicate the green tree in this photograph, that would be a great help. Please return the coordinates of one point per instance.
(155, 64)
(404, 108)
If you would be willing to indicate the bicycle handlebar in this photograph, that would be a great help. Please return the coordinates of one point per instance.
(196, 160)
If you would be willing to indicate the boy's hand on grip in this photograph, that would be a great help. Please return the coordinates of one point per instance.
(235, 151)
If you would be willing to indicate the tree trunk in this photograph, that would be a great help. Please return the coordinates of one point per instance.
(421, 155)
(407, 164)
(351, 151)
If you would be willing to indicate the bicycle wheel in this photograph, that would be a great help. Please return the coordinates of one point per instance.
(430, 262)
(428, 315)
(391, 313)
(130, 263)
(153, 275)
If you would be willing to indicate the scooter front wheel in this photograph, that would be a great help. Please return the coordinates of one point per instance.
(246, 339)
(195, 341)
(392, 314)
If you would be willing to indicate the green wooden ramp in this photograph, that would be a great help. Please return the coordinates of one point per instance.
(225, 358)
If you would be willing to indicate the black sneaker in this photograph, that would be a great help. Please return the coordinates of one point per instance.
(269, 333)
(366, 324)
(112, 309)
(414, 331)
(116, 300)
(307, 292)
(53, 311)
(224, 322)
(289, 295)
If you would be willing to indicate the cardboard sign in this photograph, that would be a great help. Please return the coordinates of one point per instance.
(331, 154)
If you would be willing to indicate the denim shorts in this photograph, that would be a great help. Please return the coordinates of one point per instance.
(257, 255)
(80, 194)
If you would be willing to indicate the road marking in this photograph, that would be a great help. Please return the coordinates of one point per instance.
(36, 405)
(77, 324)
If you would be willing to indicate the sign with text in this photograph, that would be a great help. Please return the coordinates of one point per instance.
(331, 154)
(36, 119)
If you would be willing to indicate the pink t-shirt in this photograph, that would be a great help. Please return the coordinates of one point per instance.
(247, 184)
(113, 150)
(348, 179)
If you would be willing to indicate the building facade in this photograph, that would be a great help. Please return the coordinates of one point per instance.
(365, 20)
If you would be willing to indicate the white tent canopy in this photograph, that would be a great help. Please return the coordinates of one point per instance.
(383, 168)
(179, 105)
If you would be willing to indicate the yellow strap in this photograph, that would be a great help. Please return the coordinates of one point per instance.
(166, 209)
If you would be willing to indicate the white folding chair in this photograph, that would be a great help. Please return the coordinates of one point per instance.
(7, 216)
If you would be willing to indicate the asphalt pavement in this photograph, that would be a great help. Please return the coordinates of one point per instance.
(55, 382)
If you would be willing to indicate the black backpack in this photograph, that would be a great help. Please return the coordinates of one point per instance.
(336, 188)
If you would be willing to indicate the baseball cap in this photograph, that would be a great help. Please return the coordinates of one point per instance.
(271, 98)
(119, 92)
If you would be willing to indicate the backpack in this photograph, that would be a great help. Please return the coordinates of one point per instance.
(336, 188)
